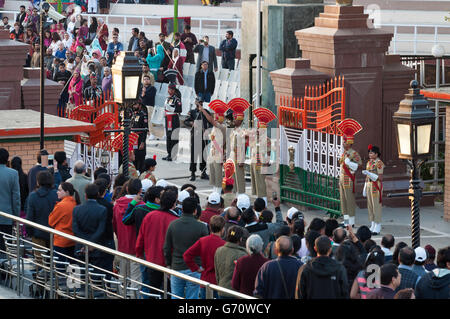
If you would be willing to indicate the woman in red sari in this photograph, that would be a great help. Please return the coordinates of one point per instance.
(76, 88)
(102, 34)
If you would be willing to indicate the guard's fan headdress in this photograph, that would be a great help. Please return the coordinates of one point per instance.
(219, 107)
(348, 128)
(238, 105)
(117, 142)
(264, 116)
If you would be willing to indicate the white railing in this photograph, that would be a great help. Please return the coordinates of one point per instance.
(419, 41)
(212, 27)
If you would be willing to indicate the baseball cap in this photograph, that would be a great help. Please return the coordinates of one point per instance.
(243, 202)
(421, 254)
(290, 213)
(162, 183)
(214, 198)
(183, 195)
(146, 184)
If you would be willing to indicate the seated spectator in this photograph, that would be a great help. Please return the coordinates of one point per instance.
(276, 278)
(369, 244)
(205, 248)
(390, 278)
(387, 242)
(348, 255)
(310, 238)
(396, 252)
(436, 283)
(330, 225)
(79, 180)
(40, 166)
(407, 293)
(232, 217)
(266, 216)
(269, 251)
(364, 234)
(226, 257)
(365, 280)
(339, 235)
(259, 205)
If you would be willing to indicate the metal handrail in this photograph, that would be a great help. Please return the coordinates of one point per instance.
(128, 257)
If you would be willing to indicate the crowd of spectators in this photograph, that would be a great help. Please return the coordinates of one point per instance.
(239, 247)
(80, 50)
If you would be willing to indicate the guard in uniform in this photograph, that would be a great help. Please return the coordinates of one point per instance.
(374, 188)
(260, 154)
(238, 143)
(139, 119)
(349, 163)
(217, 150)
(172, 108)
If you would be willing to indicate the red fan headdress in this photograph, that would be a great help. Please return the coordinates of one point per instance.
(219, 107)
(349, 127)
(264, 116)
(238, 105)
(117, 142)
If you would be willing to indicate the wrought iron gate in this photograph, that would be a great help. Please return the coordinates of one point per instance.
(310, 146)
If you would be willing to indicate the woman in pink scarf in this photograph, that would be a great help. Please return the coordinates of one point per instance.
(76, 88)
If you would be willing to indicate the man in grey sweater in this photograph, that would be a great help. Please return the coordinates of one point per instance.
(182, 234)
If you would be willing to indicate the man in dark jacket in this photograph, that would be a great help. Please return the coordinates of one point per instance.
(276, 278)
(390, 279)
(133, 44)
(436, 283)
(39, 205)
(62, 173)
(406, 259)
(228, 48)
(89, 223)
(199, 124)
(32, 173)
(182, 234)
(322, 277)
(205, 82)
(62, 76)
(206, 52)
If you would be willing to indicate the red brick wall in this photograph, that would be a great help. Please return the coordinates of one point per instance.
(27, 150)
(447, 167)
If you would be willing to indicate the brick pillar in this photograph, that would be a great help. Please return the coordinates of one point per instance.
(447, 167)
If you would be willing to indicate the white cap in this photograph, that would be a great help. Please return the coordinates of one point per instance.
(214, 198)
(291, 212)
(183, 195)
(421, 254)
(162, 183)
(146, 184)
(243, 202)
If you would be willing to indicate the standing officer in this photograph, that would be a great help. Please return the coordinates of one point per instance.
(260, 153)
(172, 108)
(199, 124)
(349, 161)
(139, 119)
(238, 143)
(217, 150)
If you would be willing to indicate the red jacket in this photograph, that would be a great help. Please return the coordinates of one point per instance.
(126, 235)
(205, 247)
(208, 213)
(152, 235)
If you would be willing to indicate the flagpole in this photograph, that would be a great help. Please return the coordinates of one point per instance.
(175, 16)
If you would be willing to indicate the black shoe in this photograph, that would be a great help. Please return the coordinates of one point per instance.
(204, 176)
(167, 158)
(192, 177)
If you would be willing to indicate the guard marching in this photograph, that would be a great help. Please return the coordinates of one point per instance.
(349, 163)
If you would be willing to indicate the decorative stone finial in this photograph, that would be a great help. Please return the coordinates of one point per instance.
(344, 2)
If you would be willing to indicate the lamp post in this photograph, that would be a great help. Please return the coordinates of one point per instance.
(126, 76)
(44, 9)
(414, 125)
(438, 52)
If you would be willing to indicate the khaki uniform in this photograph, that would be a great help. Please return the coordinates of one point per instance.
(148, 175)
(228, 198)
(237, 154)
(347, 197)
(132, 172)
(258, 159)
(216, 155)
(374, 204)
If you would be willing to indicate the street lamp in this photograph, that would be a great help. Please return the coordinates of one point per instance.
(126, 76)
(44, 12)
(414, 125)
